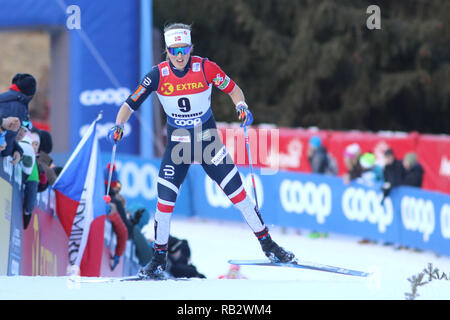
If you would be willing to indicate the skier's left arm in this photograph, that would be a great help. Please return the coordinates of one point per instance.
(214, 74)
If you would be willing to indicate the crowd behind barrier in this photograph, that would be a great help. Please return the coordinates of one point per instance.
(286, 149)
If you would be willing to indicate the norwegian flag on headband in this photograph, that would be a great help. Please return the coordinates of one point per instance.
(80, 207)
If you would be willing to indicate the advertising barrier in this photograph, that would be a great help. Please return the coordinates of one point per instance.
(287, 149)
(409, 216)
(434, 155)
(10, 217)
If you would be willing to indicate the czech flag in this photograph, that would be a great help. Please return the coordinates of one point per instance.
(80, 208)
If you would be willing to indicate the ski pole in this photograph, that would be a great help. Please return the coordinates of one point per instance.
(251, 167)
(107, 197)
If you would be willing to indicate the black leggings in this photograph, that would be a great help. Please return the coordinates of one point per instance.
(201, 145)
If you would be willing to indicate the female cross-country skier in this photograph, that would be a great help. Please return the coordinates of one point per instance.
(183, 84)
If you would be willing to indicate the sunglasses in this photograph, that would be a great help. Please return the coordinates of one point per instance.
(27, 125)
(175, 51)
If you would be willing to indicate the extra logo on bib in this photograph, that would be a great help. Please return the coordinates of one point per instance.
(169, 89)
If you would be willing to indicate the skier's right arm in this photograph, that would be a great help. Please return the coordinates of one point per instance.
(148, 84)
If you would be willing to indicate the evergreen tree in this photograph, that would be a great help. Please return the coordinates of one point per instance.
(315, 63)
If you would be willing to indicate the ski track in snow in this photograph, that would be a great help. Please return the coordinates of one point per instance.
(213, 243)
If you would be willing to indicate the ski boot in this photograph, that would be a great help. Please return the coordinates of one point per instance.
(156, 268)
(275, 253)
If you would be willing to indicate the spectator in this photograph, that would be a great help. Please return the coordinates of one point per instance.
(233, 273)
(115, 217)
(179, 258)
(393, 170)
(138, 213)
(413, 174)
(320, 160)
(14, 103)
(9, 123)
(143, 250)
(44, 160)
(30, 174)
(393, 173)
(352, 153)
(121, 232)
(179, 255)
(372, 174)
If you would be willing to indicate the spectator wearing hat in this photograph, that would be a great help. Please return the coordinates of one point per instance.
(372, 174)
(319, 159)
(30, 174)
(352, 153)
(413, 174)
(14, 105)
(44, 160)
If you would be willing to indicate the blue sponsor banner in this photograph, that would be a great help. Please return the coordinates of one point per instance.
(409, 216)
(425, 218)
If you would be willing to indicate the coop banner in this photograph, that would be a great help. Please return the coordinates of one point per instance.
(408, 216)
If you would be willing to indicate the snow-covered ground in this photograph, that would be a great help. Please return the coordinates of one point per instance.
(213, 243)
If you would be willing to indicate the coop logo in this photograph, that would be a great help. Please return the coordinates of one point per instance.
(365, 205)
(217, 198)
(107, 96)
(189, 122)
(445, 221)
(315, 200)
(418, 215)
(137, 180)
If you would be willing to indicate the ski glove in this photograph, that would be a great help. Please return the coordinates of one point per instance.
(244, 114)
(115, 134)
(115, 262)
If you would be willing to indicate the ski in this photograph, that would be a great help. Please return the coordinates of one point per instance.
(121, 279)
(103, 280)
(302, 265)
